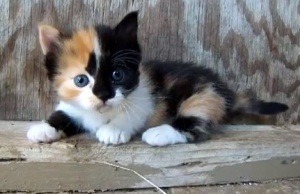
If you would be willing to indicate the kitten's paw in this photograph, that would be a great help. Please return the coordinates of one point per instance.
(43, 132)
(163, 135)
(109, 135)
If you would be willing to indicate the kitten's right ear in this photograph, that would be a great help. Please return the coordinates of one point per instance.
(49, 37)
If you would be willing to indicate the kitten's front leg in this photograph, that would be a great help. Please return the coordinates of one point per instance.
(118, 131)
(58, 125)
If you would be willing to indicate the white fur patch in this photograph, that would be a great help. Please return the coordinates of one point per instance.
(43, 132)
(116, 100)
(90, 119)
(97, 51)
(127, 119)
(163, 135)
(109, 135)
(116, 124)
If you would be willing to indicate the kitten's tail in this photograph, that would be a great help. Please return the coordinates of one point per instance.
(251, 105)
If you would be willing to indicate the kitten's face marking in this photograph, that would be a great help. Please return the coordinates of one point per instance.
(118, 74)
(76, 63)
(94, 67)
(73, 63)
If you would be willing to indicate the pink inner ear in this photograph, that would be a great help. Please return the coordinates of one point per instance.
(47, 35)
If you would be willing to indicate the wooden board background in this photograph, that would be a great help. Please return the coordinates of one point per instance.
(252, 44)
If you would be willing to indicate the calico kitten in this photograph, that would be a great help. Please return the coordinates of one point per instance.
(105, 88)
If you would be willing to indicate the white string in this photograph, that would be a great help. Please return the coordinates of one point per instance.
(141, 176)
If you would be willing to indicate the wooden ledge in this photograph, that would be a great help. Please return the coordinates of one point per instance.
(242, 153)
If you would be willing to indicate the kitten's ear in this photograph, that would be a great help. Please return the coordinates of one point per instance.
(48, 36)
(128, 27)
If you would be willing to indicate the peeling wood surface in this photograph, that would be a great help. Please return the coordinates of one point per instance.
(252, 44)
(240, 154)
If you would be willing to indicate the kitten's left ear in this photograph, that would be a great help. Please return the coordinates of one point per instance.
(128, 27)
(49, 36)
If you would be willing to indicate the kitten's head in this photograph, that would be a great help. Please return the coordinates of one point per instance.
(93, 67)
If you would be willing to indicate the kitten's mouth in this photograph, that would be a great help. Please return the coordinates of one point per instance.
(103, 108)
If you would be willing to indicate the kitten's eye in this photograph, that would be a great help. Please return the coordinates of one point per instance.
(81, 80)
(117, 75)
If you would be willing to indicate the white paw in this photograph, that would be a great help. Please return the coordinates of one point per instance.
(109, 135)
(43, 132)
(163, 135)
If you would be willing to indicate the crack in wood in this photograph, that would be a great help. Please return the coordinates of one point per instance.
(12, 159)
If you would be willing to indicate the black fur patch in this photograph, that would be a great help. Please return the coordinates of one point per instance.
(51, 65)
(268, 108)
(226, 93)
(92, 64)
(51, 57)
(192, 125)
(120, 51)
(62, 122)
(190, 79)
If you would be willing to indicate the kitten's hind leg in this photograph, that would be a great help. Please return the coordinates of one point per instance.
(193, 128)
(196, 118)
(199, 114)
(58, 125)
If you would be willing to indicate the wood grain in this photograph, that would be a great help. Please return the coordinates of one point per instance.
(241, 153)
(253, 45)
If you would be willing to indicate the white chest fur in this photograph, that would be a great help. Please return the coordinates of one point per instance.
(131, 115)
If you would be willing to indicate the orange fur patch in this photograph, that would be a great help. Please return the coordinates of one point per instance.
(79, 47)
(72, 62)
(207, 105)
(159, 116)
(170, 81)
(68, 92)
(242, 101)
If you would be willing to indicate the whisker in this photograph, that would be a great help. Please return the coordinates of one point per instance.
(125, 57)
(125, 51)
(130, 59)
(147, 98)
(127, 114)
(119, 108)
(132, 111)
(120, 51)
(136, 106)
(122, 64)
(127, 60)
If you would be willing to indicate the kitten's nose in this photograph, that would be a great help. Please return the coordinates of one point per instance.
(103, 90)
(104, 95)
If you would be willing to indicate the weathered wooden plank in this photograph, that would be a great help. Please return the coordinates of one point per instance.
(282, 187)
(241, 153)
(290, 186)
(251, 44)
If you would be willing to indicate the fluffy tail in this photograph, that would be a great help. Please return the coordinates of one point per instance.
(251, 105)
